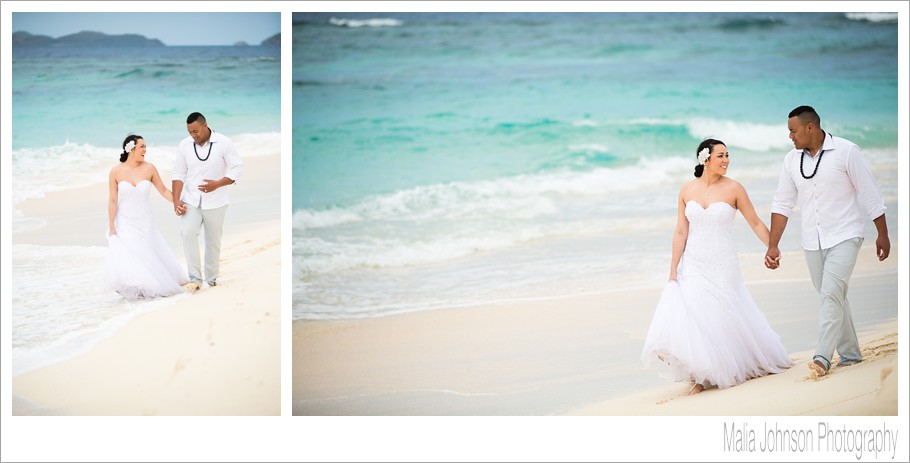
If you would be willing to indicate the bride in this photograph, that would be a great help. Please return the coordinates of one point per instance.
(139, 263)
(706, 325)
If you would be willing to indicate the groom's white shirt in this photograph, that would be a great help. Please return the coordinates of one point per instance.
(833, 202)
(192, 170)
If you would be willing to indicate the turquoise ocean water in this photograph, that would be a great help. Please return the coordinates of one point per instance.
(72, 107)
(455, 159)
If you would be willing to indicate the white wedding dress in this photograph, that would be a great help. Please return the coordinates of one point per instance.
(139, 262)
(706, 326)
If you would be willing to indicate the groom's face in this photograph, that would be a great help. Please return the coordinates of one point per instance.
(199, 131)
(799, 133)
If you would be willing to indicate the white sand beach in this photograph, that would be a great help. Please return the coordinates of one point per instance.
(867, 388)
(216, 352)
(580, 356)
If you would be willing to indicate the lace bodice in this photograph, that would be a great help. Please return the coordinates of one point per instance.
(133, 201)
(710, 244)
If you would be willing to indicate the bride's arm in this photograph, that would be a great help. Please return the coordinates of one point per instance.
(748, 211)
(159, 185)
(679, 236)
(111, 203)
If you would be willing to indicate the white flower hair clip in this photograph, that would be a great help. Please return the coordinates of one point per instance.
(703, 156)
(129, 146)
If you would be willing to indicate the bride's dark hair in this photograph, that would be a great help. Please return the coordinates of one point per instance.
(129, 138)
(706, 143)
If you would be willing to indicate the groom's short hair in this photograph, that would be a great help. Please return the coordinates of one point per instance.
(806, 114)
(195, 117)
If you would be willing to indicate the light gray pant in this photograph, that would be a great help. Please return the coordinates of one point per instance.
(211, 221)
(830, 270)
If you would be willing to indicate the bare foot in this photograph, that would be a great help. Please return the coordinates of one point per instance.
(192, 287)
(696, 389)
(817, 369)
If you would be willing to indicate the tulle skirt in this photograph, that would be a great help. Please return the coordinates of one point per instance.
(140, 264)
(713, 335)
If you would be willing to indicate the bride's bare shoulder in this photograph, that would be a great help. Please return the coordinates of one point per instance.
(733, 184)
(687, 187)
(689, 184)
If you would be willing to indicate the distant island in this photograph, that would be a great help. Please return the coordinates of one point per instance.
(95, 39)
(273, 40)
(85, 39)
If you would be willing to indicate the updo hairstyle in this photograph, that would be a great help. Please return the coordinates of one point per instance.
(706, 143)
(129, 138)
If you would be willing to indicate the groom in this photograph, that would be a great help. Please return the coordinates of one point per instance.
(206, 162)
(827, 177)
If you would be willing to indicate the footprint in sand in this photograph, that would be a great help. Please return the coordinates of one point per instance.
(180, 365)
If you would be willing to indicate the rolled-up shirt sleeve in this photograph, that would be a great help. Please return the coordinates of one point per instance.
(786, 195)
(180, 165)
(864, 182)
(233, 162)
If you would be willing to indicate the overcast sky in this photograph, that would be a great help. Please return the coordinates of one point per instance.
(170, 28)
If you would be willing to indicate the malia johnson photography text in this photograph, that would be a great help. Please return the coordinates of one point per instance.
(826, 438)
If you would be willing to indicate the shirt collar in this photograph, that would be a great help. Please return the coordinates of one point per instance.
(827, 145)
(211, 135)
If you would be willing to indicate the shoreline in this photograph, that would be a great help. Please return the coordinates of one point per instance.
(546, 357)
(81, 343)
(211, 353)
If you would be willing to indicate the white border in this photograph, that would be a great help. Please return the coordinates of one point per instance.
(287, 335)
(288, 438)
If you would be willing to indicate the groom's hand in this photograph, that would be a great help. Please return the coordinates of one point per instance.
(208, 186)
(179, 208)
(882, 247)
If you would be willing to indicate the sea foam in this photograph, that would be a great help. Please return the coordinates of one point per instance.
(751, 136)
(59, 314)
(517, 197)
(872, 17)
(373, 22)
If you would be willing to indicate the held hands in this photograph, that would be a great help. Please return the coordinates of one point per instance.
(179, 208)
(772, 258)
